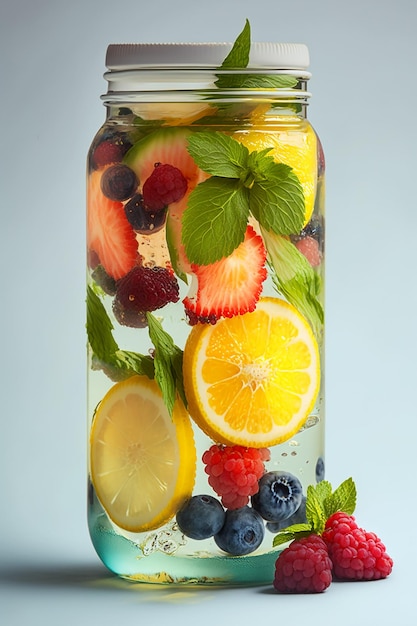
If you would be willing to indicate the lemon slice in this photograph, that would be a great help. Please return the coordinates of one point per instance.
(294, 146)
(252, 380)
(142, 460)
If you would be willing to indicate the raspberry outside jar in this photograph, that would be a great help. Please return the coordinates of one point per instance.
(205, 254)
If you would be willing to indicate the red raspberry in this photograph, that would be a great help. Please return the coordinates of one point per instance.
(143, 289)
(309, 247)
(303, 567)
(355, 553)
(107, 152)
(234, 472)
(165, 185)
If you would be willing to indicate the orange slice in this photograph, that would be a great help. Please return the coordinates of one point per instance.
(142, 460)
(252, 380)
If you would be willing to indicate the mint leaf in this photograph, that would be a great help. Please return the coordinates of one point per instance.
(264, 81)
(277, 199)
(239, 54)
(214, 222)
(344, 497)
(323, 490)
(238, 58)
(115, 363)
(99, 327)
(218, 154)
(296, 531)
(314, 511)
(295, 278)
(168, 363)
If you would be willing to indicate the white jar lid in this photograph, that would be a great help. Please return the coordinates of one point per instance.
(279, 56)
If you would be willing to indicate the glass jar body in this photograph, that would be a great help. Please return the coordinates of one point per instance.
(190, 361)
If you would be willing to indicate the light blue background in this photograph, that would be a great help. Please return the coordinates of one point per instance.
(363, 59)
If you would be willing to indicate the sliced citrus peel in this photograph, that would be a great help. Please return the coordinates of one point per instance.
(142, 462)
(253, 379)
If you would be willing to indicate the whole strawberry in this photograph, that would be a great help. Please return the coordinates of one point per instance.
(304, 567)
(355, 553)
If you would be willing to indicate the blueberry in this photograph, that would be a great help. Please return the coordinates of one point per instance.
(279, 496)
(314, 229)
(320, 469)
(299, 517)
(201, 517)
(118, 182)
(242, 532)
(141, 220)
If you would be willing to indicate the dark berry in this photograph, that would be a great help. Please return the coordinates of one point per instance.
(299, 517)
(142, 220)
(143, 289)
(165, 185)
(105, 153)
(314, 229)
(118, 182)
(320, 469)
(201, 517)
(242, 532)
(129, 317)
(106, 282)
(109, 147)
(279, 496)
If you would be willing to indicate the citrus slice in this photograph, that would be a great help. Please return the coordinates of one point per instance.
(142, 460)
(296, 147)
(252, 380)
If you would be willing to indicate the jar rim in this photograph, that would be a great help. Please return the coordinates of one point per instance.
(278, 56)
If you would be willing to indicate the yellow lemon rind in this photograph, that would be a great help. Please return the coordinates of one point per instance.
(186, 470)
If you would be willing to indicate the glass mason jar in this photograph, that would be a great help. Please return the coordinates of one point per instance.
(205, 236)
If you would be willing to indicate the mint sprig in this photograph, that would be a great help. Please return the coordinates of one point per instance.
(117, 364)
(238, 58)
(294, 277)
(321, 503)
(241, 183)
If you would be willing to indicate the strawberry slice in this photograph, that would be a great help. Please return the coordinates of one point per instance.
(229, 287)
(109, 234)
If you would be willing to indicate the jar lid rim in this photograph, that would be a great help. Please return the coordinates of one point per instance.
(119, 57)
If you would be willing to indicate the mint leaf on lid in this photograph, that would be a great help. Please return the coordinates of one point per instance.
(239, 54)
(238, 58)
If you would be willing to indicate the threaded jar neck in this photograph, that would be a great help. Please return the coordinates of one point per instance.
(193, 72)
